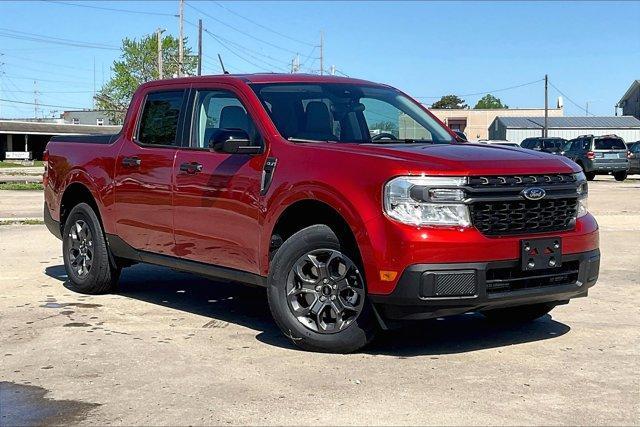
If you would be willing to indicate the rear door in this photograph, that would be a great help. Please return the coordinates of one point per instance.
(610, 149)
(143, 193)
(217, 195)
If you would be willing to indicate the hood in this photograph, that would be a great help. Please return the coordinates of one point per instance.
(463, 158)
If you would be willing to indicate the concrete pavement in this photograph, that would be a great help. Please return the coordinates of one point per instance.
(174, 349)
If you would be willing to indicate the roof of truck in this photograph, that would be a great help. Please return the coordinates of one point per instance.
(272, 78)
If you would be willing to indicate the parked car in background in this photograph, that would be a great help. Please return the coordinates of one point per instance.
(599, 155)
(548, 145)
(634, 157)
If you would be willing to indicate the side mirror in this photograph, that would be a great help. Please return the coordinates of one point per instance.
(233, 141)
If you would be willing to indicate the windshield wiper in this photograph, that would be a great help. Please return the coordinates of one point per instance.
(310, 140)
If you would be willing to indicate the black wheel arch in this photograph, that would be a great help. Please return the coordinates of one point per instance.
(74, 194)
(308, 212)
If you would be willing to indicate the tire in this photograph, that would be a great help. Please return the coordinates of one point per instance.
(303, 303)
(590, 176)
(519, 314)
(85, 253)
(620, 176)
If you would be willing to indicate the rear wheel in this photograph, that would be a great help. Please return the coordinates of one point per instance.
(519, 314)
(317, 293)
(590, 176)
(620, 176)
(85, 253)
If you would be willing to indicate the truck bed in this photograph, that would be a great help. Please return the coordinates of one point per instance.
(87, 139)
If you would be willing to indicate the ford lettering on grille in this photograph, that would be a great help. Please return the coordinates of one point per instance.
(534, 193)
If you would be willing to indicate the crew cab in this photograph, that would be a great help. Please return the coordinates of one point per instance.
(275, 181)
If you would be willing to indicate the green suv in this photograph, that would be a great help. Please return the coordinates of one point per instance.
(599, 155)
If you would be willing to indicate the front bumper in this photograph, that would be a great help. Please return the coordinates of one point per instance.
(434, 290)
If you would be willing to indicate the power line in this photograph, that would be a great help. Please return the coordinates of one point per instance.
(485, 92)
(241, 31)
(238, 45)
(23, 35)
(42, 105)
(45, 62)
(231, 50)
(263, 26)
(112, 9)
(570, 100)
(48, 80)
(222, 41)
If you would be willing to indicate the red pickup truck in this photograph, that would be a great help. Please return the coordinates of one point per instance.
(351, 203)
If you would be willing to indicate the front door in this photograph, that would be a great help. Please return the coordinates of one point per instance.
(217, 195)
(144, 168)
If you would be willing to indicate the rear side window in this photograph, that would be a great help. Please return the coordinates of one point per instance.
(159, 121)
(609, 144)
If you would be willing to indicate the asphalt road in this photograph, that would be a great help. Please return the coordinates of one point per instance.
(175, 349)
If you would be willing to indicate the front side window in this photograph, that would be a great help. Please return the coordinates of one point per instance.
(349, 113)
(159, 121)
(216, 110)
(609, 144)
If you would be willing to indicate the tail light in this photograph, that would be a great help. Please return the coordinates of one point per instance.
(591, 155)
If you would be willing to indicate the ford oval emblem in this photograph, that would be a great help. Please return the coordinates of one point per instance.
(534, 193)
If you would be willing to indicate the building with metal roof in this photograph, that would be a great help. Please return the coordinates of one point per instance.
(23, 136)
(630, 101)
(518, 128)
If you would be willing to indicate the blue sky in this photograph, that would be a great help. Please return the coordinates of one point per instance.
(590, 50)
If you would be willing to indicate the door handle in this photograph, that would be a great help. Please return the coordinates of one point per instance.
(191, 167)
(131, 162)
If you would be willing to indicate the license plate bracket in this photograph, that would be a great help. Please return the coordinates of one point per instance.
(541, 254)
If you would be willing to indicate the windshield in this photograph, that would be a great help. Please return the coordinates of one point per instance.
(305, 112)
(610, 144)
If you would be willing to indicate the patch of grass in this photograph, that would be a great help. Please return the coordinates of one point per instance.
(5, 164)
(32, 186)
(22, 222)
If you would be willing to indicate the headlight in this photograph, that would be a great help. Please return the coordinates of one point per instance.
(422, 200)
(583, 193)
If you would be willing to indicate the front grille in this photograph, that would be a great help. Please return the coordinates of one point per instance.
(519, 180)
(519, 217)
(514, 279)
(498, 207)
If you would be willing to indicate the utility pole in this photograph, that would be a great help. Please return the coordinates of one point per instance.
(159, 32)
(181, 41)
(94, 82)
(199, 47)
(587, 109)
(35, 100)
(545, 130)
(321, 52)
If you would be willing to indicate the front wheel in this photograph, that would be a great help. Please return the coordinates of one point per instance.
(317, 293)
(85, 253)
(518, 314)
(620, 176)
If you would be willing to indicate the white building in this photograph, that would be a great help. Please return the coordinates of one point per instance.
(516, 129)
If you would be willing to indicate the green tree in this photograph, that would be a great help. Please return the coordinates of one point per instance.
(138, 64)
(450, 102)
(489, 102)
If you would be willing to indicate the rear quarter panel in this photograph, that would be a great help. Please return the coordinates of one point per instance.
(91, 165)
